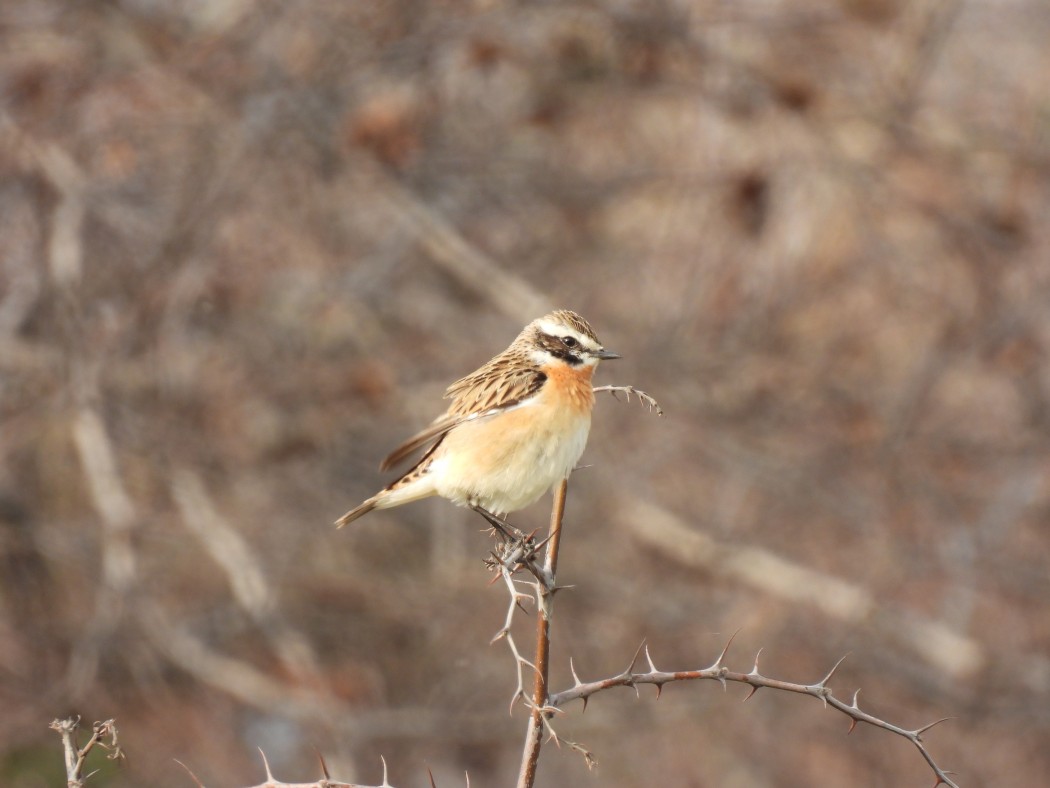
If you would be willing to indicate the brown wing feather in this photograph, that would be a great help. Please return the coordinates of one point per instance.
(503, 382)
(417, 441)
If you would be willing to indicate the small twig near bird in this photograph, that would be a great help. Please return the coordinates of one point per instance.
(645, 399)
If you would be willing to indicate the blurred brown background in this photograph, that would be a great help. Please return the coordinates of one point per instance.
(245, 245)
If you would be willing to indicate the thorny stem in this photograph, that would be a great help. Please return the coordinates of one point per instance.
(545, 599)
(720, 673)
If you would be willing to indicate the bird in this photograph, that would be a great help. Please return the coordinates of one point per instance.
(515, 428)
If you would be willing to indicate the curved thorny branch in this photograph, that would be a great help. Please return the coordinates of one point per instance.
(717, 671)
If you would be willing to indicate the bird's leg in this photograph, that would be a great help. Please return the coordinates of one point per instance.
(517, 547)
(500, 526)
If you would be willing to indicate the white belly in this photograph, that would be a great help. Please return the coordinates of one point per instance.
(506, 463)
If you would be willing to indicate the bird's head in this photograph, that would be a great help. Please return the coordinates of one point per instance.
(565, 336)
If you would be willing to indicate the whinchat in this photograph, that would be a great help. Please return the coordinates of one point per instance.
(516, 427)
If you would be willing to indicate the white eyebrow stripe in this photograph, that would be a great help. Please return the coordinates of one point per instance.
(558, 330)
(553, 329)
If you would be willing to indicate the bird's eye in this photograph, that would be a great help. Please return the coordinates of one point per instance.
(569, 341)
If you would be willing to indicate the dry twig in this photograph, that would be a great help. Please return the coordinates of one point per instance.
(627, 391)
(545, 588)
(717, 671)
(76, 756)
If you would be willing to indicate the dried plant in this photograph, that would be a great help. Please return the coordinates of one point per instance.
(103, 736)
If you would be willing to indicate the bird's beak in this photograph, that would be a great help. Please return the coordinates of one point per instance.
(605, 355)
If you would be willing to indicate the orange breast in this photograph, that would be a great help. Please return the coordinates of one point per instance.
(569, 387)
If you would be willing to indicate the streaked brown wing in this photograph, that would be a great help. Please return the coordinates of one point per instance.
(498, 385)
(418, 441)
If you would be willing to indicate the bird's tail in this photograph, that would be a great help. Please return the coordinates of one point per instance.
(404, 490)
(356, 512)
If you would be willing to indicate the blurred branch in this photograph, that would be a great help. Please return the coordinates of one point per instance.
(117, 512)
(256, 689)
(64, 248)
(76, 756)
(447, 247)
(718, 672)
(946, 650)
(235, 677)
(934, 25)
(248, 581)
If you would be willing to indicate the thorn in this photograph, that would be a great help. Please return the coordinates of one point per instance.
(919, 731)
(659, 689)
(386, 782)
(584, 710)
(852, 725)
(189, 772)
(754, 670)
(430, 774)
(855, 696)
(824, 681)
(575, 678)
(652, 667)
(539, 545)
(266, 763)
(718, 662)
(634, 661)
(324, 766)
(754, 688)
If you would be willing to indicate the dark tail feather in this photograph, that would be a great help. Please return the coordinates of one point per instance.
(353, 514)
